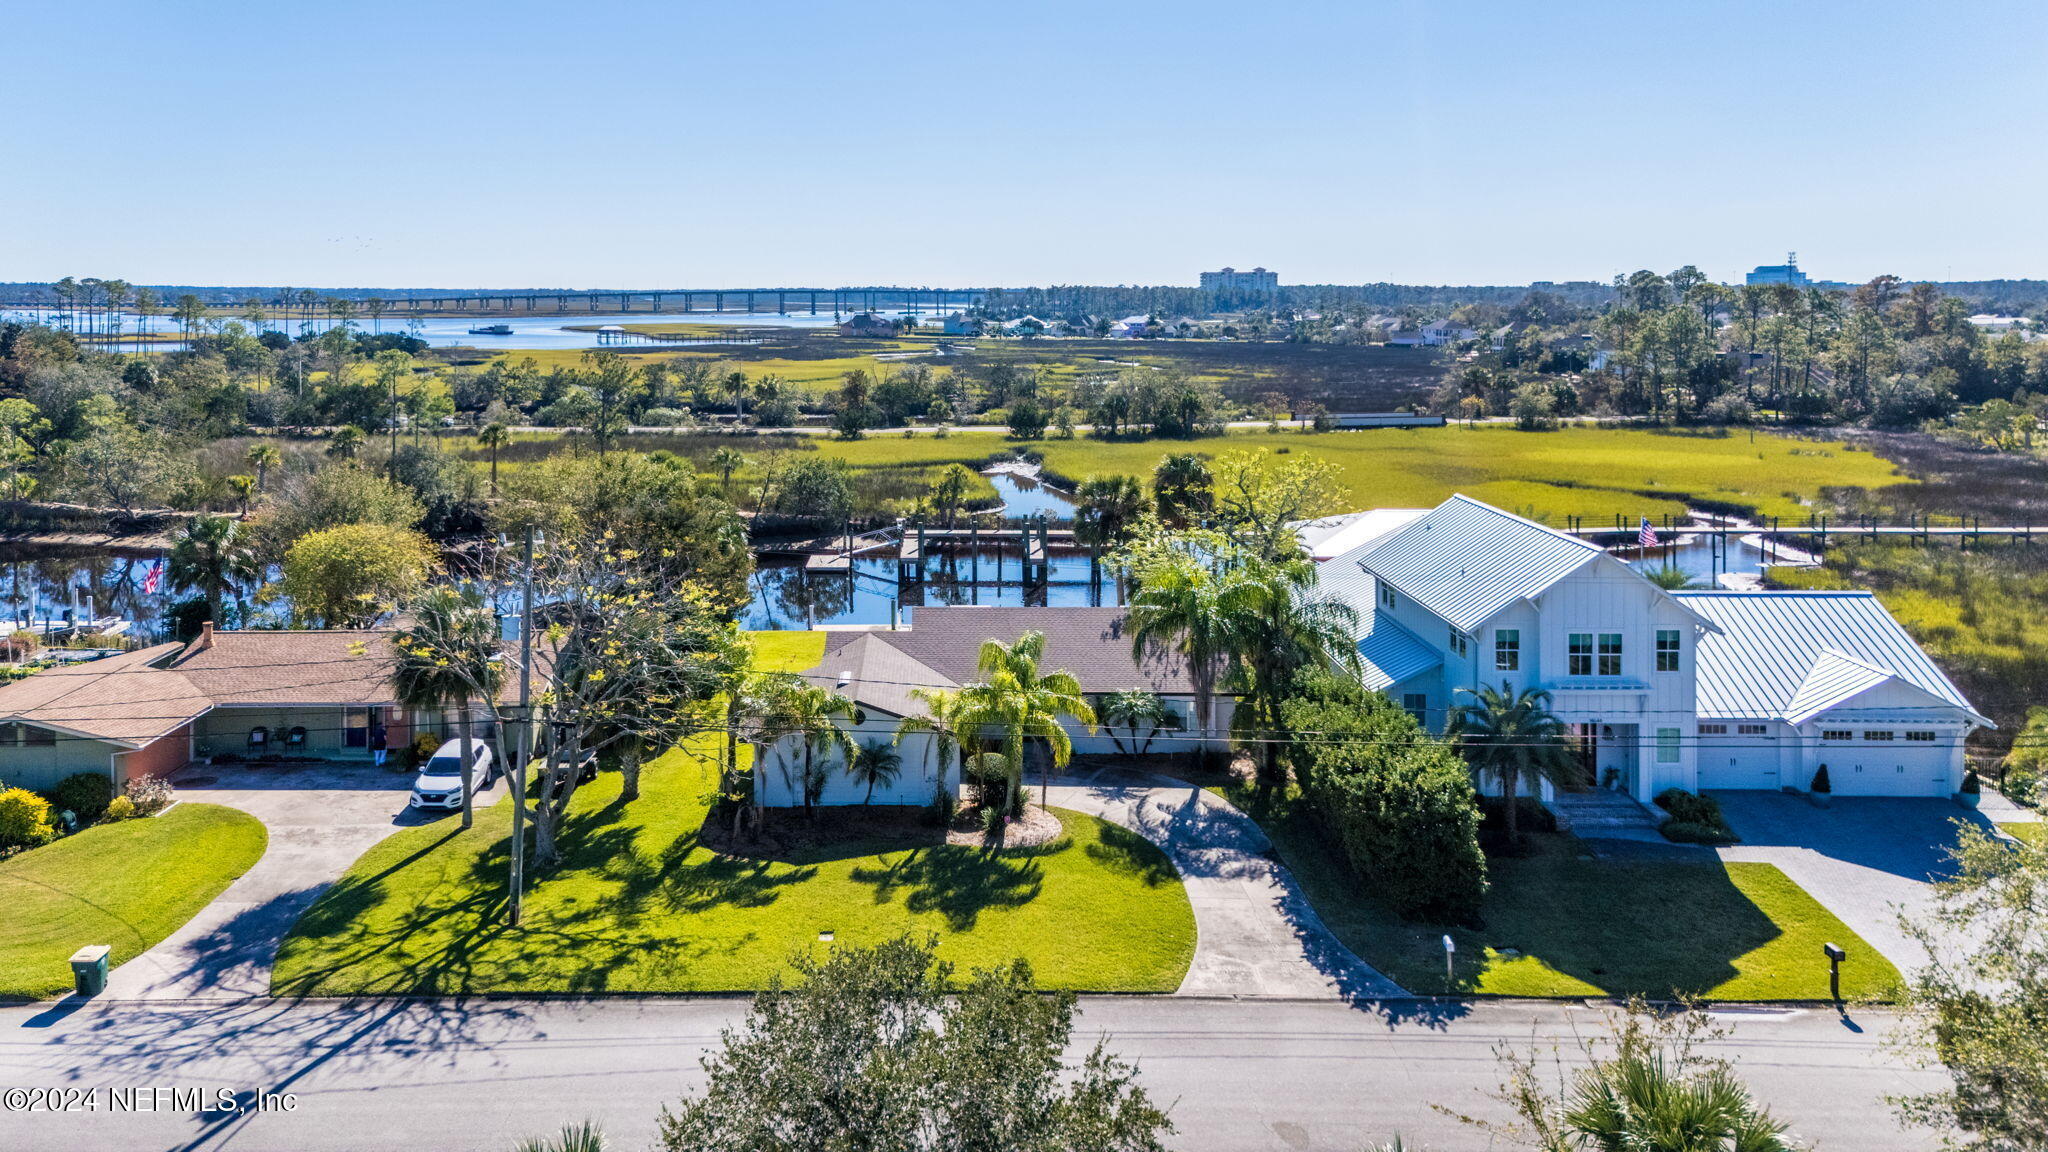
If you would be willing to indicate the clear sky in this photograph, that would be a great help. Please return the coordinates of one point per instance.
(687, 144)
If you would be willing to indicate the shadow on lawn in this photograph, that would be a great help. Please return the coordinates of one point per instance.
(958, 883)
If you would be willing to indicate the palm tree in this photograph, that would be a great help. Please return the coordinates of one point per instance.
(1107, 508)
(1183, 489)
(243, 488)
(448, 658)
(725, 462)
(945, 719)
(948, 494)
(1512, 735)
(1133, 708)
(1024, 704)
(812, 713)
(211, 556)
(1192, 610)
(263, 457)
(875, 763)
(1290, 625)
(346, 442)
(494, 436)
(735, 385)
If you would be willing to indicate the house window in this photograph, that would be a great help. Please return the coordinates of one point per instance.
(1920, 737)
(1667, 649)
(1417, 705)
(1460, 643)
(26, 736)
(1578, 660)
(1667, 745)
(1610, 654)
(1877, 734)
(1507, 649)
(1750, 729)
(1837, 734)
(1386, 595)
(1713, 729)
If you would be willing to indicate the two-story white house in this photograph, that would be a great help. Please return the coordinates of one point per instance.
(1662, 690)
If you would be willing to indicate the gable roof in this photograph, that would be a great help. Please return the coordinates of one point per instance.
(1467, 560)
(875, 674)
(1391, 653)
(298, 667)
(1794, 655)
(120, 699)
(1088, 642)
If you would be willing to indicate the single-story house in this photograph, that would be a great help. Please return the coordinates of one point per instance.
(867, 324)
(941, 650)
(148, 712)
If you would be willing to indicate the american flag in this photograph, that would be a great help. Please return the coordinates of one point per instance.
(153, 579)
(1647, 537)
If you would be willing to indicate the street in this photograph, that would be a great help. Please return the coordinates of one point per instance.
(442, 1075)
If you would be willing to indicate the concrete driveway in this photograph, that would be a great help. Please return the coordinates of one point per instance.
(1864, 858)
(321, 818)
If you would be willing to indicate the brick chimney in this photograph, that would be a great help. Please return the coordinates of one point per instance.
(204, 640)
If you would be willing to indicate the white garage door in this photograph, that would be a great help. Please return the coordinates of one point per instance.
(1895, 769)
(1736, 764)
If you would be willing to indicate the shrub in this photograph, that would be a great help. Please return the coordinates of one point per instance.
(24, 819)
(120, 808)
(667, 417)
(1687, 832)
(85, 795)
(149, 794)
(1397, 802)
(1820, 781)
(2026, 766)
(19, 645)
(424, 746)
(1531, 815)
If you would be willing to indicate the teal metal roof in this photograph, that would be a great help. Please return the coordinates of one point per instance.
(1794, 655)
(1392, 654)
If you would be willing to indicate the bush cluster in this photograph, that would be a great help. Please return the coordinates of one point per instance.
(85, 795)
(24, 819)
(148, 795)
(1694, 819)
(1399, 803)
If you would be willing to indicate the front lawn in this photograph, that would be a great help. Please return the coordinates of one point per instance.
(2034, 833)
(128, 885)
(639, 905)
(1561, 924)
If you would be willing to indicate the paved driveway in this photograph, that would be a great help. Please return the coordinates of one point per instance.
(1255, 934)
(321, 817)
(1865, 858)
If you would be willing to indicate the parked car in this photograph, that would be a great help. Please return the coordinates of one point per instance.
(439, 784)
(587, 770)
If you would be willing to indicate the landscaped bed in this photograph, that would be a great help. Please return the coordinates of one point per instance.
(1561, 923)
(128, 885)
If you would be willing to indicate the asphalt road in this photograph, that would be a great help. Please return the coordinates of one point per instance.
(435, 1075)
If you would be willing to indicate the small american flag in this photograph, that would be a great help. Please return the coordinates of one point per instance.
(153, 579)
(1647, 537)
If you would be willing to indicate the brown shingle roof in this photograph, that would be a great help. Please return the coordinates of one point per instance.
(291, 667)
(872, 672)
(121, 699)
(1088, 642)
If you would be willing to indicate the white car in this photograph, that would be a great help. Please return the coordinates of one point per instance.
(439, 784)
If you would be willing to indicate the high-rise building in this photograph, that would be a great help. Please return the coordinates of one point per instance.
(1786, 273)
(1231, 280)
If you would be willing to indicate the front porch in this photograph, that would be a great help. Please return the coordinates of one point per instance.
(318, 733)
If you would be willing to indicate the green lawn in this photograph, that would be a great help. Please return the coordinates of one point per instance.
(2033, 833)
(640, 906)
(1559, 925)
(128, 885)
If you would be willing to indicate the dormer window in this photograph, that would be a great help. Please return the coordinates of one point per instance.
(1386, 596)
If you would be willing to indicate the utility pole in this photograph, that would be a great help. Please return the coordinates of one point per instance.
(524, 734)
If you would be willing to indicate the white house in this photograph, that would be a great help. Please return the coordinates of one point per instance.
(1663, 690)
(877, 671)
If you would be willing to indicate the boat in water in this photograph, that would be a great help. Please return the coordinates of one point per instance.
(491, 330)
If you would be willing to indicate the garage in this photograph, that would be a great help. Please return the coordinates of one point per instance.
(1887, 762)
(1738, 755)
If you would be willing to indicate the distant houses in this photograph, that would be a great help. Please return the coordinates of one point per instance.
(867, 324)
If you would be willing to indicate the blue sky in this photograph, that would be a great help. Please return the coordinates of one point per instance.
(731, 144)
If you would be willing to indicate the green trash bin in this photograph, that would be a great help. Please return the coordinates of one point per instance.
(89, 969)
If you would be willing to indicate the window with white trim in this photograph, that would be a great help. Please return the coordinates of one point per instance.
(1876, 734)
(1669, 646)
(1610, 654)
(1750, 729)
(1386, 595)
(1837, 734)
(1459, 642)
(1713, 729)
(1507, 649)
(1578, 658)
(1667, 745)
(1920, 737)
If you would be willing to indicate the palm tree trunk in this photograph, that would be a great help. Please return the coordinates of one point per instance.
(805, 782)
(629, 772)
(468, 769)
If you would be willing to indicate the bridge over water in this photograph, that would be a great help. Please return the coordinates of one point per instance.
(812, 301)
